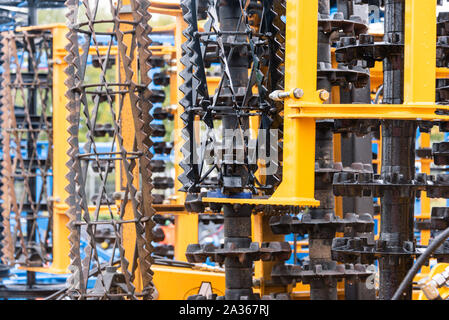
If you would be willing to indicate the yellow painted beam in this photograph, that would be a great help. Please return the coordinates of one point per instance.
(61, 245)
(128, 134)
(419, 74)
(420, 52)
(186, 232)
(423, 111)
(165, 8)
(298, 179)
(176, 283)
(425, 201)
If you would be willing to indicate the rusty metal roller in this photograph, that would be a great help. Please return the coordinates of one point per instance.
(128, 97)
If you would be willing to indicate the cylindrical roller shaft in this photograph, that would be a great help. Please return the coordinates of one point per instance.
(320, 240)
(237, 233)
(398, 158)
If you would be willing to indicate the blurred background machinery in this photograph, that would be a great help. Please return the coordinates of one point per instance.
(27, 145)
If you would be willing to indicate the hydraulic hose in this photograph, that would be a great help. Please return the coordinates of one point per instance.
(420, 262)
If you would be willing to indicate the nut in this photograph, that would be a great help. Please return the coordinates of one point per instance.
(298, 93)
(324, 95)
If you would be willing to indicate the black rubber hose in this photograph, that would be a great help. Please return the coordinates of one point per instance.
(420, 262)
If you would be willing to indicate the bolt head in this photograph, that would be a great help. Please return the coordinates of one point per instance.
(324, 95)
(298, 93)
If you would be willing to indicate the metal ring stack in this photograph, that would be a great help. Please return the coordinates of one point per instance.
(397, 185)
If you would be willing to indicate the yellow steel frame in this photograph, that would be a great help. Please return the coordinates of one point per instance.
(420, 70)
(61, 244)
(297, 186)
(376, 81)
(425, 201)
(376, 77)
(415, 91)
(178, 283)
